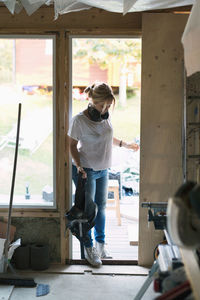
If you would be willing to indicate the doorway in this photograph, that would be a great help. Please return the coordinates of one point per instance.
(116, 61)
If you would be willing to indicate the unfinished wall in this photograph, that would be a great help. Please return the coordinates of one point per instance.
(161, 114)
(161, 119)
(40, 231)
(39, 225)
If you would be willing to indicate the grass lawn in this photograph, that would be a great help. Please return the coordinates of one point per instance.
(8, 111)
(36, 169)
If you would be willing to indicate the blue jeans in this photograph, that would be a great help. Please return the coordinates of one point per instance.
(96, 189)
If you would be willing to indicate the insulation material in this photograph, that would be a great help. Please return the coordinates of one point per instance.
(191, 41)
(10, 4)
(144, 5)
(119, 6)
(14, 6)
(32, 7)
(127, 5)
(18, 7)
(133, 5)
(63, 6)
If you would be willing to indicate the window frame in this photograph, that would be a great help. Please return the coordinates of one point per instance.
(18, 208)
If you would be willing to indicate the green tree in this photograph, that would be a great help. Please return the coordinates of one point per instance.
(6, 60)
(102, 51)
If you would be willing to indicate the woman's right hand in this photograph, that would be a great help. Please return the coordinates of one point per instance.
(81, 170)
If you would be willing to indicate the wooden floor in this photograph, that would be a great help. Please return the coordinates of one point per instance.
(119, 238)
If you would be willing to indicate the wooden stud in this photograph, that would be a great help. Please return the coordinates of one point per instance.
(60, 135)
(67, 153)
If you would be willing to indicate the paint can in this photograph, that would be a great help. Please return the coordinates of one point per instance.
(39, 257)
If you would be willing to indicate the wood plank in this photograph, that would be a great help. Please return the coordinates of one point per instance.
(113, 184)
(60, 137)
(86, 20)
(161, 119)
(105, 269)
(31, 214)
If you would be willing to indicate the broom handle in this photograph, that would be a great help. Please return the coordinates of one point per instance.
(7, 242)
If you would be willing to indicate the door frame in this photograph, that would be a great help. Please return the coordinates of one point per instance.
(69, 204)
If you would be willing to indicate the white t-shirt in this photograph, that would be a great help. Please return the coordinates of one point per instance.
(94, 141)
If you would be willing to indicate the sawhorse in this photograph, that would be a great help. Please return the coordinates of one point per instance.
(148, 281)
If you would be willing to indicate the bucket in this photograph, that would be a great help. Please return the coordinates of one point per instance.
(22, 257)
(39, 257)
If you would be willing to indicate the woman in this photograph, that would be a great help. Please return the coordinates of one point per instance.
(91, 139)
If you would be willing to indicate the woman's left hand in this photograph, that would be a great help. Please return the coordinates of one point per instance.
(133, 146)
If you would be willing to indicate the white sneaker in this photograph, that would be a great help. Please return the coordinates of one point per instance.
(92, 256)
(103, 253)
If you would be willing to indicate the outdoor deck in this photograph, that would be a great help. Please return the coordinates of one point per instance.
(119, 238)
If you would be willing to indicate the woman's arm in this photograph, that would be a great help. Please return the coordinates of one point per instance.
(75, 155)
(121, 143)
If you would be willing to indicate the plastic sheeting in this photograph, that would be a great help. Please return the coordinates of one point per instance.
(31, 7)
(63, 6)
(191, 41)
(135, 5)
(119, 6)
(15, 6)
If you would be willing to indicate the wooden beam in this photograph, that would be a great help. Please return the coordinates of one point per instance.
(31, 214)
(90, 19)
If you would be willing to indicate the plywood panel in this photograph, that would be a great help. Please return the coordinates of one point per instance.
(161, 119)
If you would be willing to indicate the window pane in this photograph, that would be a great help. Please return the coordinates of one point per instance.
(26, 76)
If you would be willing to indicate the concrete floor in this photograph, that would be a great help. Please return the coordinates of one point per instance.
(85, 283)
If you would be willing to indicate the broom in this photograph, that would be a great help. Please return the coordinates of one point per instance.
(6, 278)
